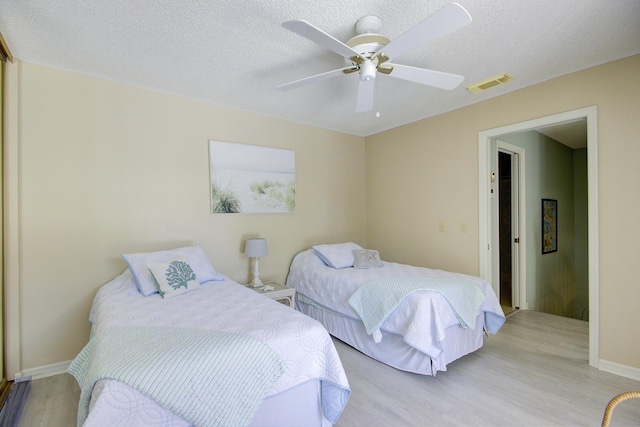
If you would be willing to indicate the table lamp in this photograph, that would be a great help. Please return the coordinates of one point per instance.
(256, 248)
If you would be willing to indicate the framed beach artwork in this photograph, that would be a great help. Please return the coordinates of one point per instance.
(248, 178)
(549, 226)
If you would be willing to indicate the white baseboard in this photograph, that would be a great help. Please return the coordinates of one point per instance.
(618, 369)
(61, 368)
(44, 371)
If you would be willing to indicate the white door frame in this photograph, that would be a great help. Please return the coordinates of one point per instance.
(519, 225)
(484, 205)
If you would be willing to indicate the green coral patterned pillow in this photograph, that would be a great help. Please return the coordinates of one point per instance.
(173, 277)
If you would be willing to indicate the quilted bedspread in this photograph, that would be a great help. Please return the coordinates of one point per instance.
(421, 318)
(303, 345)
(376, 299)
(183, 370)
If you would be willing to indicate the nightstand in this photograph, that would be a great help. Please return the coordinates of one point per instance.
(280, 292)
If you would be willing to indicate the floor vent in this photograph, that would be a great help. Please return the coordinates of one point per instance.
(489, 83)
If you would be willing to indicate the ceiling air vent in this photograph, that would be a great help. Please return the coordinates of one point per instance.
(489, 83)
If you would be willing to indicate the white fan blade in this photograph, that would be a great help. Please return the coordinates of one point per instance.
(426, 77)
(313, 79)
(315, 34)
(365, 95)
(445, 21)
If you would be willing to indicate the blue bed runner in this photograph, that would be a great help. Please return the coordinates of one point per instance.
(376, 299)
(209, 378)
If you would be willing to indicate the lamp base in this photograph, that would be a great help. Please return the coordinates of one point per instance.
(256, 273)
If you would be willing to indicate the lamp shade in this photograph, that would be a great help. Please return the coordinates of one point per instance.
(256, 248)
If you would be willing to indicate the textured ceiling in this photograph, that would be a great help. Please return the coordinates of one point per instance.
(234, 52)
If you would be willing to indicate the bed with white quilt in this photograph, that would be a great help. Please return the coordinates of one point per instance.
(411, 318)
(174, 343)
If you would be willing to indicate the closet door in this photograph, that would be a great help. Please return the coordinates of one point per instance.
(2, 65)
(5, 55)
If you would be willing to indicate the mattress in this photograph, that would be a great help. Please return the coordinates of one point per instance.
(424, 321)
(314, 379)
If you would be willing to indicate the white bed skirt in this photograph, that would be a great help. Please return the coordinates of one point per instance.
(114, 403)
(392, 350)
(298, 406)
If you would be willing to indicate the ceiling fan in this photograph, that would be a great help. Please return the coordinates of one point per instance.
(368, 52)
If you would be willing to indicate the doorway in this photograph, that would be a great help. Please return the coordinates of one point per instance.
(508, 256)
(505, 233)
(508, 239)
(488, 224)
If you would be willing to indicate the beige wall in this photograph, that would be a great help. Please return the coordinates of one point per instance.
(427, 172)
(91, 163)
(101, 168)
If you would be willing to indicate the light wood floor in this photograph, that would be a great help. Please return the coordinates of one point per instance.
(534, 372)
(507, 310)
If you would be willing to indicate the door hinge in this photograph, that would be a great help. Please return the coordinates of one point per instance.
(516, 240)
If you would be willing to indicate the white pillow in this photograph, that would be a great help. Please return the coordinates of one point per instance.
(366, 258)
(195, 256)
(337, 255)
(173, 277)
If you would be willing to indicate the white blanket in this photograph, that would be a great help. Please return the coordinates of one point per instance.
(302, 343)
(184, 370)
(421, 318)
(376, 299)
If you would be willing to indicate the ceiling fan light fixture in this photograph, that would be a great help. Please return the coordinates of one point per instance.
(367, 70)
